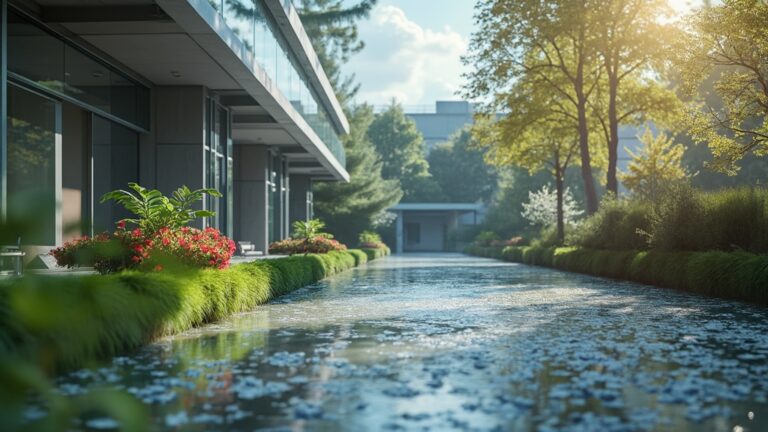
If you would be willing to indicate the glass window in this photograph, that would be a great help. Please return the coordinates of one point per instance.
(412, 233)
(35, 53)
(87, 80)
(239, 15)
(62, 68)
(115, 164)
(32, 142)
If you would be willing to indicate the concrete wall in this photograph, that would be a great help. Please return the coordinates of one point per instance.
(179, 138)
(250, 189)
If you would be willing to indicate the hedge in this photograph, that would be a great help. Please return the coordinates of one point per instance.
(377, 252)
(66, 322)
(735, 275)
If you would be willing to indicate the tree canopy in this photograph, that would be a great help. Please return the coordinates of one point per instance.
(460, 170)
(401, 146)
(728, 44)
(350, 208)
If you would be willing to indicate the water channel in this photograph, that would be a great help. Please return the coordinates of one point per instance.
(450, 342)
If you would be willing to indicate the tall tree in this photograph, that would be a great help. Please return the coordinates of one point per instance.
(332, 28)
(535, 134)
(549, 43)
(460, 170)
(350, 208)
(401, 146)
(631, 35)
(728, 43)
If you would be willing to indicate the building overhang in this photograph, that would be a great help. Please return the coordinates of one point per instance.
(186, 42)
(206, 27)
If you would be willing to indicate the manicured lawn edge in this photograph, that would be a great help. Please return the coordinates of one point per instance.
(67, 322)
(735, 275)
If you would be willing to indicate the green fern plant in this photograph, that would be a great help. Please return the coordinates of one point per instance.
(154, 210)
(310, 229)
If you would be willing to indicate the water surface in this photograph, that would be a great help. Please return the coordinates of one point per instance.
(449, 342)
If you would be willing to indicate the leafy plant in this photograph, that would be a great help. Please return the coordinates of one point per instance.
(310, 229)
(658, 165)
(155, 210)
(485, 238)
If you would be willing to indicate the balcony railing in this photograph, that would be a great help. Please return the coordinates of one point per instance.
(251, 21)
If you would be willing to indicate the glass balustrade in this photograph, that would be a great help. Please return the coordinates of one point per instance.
(251, 22)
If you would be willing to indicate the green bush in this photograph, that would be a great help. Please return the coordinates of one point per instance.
(373, 253)
(68, 321)
(681, 219)
(615, 226)
(726, 220)
(738, 275)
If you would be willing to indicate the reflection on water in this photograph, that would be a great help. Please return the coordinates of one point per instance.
(450, 342)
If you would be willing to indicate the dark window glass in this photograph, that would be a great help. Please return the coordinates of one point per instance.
(32, 142)
(412, 233)
(115, 164)
(34, 53)
(87, 80)
(51, 62)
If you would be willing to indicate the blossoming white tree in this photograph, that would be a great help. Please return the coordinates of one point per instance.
(541, 208)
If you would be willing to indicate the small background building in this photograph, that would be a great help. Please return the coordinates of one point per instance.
(426, 227)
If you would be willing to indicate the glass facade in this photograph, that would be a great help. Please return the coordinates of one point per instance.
(65, 70)
(252, 23)
(115, 159)
(33, 144)
(69, 139)
(219, 166)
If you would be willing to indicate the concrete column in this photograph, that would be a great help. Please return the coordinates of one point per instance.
(399, 237)
(180, 137)
(251, 174)
(300, 203)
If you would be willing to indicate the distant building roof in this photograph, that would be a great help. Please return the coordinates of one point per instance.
(439, 207)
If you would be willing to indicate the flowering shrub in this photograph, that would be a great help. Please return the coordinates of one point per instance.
(370, 240)
(541, 208)
(135, 249)
(293, 246)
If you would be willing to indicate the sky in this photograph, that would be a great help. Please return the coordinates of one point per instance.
(414, 47)
(413, 51)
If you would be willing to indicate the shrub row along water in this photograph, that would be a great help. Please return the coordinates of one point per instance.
(681, 219)
(67, 321)
(736, 275)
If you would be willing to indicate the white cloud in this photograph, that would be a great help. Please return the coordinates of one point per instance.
(405, 61)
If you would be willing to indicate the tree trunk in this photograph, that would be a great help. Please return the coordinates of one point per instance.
(612, 183)
(590, 194)
(560, 214)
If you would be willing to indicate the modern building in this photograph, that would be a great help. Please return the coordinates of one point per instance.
(439, 124)
(425, 227)
(226, 94)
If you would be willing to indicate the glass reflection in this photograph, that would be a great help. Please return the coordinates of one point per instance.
(32, 131)
(250, 21)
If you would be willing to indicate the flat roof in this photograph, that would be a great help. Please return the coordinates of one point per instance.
(438, 206)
